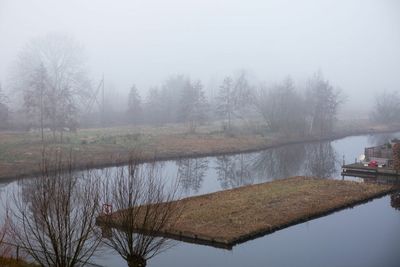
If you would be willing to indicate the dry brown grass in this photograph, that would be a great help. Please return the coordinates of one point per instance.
(231, 216)
(9, 262)
(20, 153)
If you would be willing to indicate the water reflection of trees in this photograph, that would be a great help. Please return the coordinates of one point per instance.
(395, 200)
(234, 171)
(191, 173)
(311, 159)
(279, 162)
(321, 160)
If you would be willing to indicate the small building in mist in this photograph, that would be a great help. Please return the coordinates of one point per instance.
(388, 154)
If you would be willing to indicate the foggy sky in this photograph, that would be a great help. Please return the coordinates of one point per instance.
(356, 44)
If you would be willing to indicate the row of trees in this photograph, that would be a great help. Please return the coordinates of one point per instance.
(282, 106)
(387, 108)
(51, 76)
(286, 110)
(54, 101)
(178, 100)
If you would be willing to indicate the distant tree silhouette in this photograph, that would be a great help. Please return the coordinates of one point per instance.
(134, 106)
(386, 108)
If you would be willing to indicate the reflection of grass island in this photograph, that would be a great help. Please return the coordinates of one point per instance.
(229, 217)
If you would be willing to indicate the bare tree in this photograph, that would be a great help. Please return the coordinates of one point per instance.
(234, 95)
(51, 74)
(282, 108)
(134, 105)
(5, 248)
(323, 101)
(145, 208)
(226, 101)
(193, 105)
(387, 108)
(54, 216)
(153, 106)
(36, 101)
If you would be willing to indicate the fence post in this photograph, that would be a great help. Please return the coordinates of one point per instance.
(17, 253)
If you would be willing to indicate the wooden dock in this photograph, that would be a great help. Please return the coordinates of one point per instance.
(358, 169)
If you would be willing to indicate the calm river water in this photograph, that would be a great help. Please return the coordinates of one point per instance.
(366, 235)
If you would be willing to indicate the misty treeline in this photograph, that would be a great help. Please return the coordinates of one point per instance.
(283, 107)
(387, 108)
(55, 92)
(3, 110)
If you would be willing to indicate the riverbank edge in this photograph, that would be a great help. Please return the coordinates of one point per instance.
(120, 160)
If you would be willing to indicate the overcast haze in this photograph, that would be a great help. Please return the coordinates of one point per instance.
(356, 44)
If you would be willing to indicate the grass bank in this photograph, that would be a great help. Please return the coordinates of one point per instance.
(228, 217)
(20, 153)
(8, 262)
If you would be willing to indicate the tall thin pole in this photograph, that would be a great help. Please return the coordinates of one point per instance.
(102, 103)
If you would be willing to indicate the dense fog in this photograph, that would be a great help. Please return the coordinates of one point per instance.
(352, 44)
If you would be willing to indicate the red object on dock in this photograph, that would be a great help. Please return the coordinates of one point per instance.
(373, 163)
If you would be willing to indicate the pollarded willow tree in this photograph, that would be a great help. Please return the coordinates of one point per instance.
(144, 208)
(53, 215)
(51, 74)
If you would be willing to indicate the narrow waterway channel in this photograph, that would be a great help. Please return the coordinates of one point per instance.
(366, 235)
